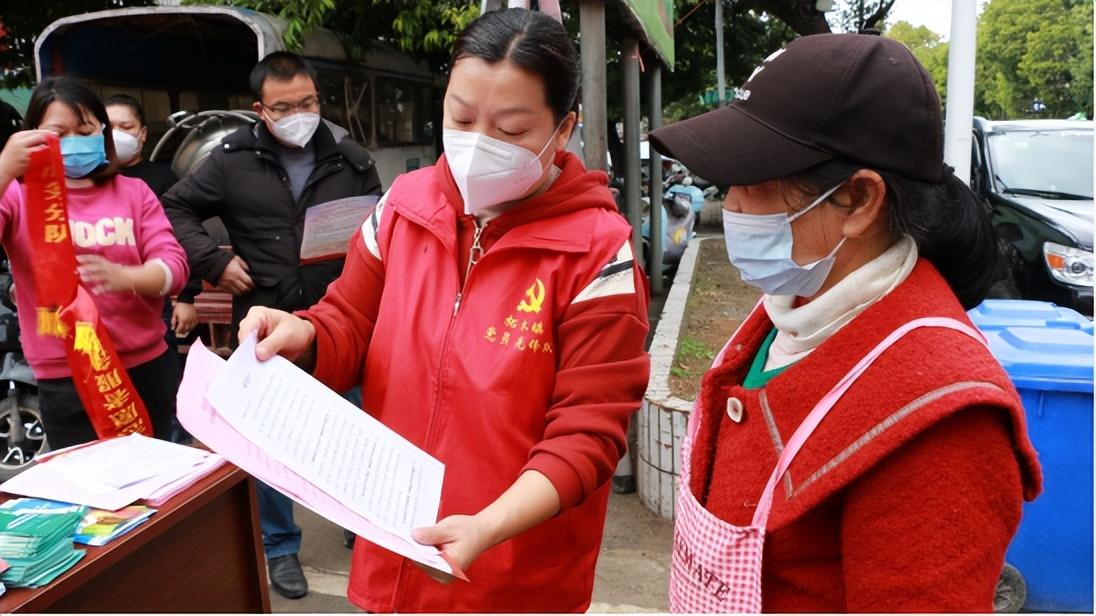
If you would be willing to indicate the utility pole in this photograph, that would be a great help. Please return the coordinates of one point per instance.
(595, 138)
(629, 51)
(719, 79)
(654, 191)
(959, 116)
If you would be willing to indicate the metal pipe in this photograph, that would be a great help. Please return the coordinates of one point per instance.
(654, 120)
(959, 119)
(629, 49)
(595, 138)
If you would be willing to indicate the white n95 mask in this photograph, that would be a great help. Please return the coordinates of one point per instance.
(126, 146)
(489, 171)
(760, 246)
(297, 129)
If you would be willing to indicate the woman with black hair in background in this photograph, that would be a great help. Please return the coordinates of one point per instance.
(130, 132)
(900, 493)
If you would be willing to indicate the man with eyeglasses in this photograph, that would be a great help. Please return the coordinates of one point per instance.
(260, 181)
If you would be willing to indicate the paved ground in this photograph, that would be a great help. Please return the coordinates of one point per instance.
(632, 572)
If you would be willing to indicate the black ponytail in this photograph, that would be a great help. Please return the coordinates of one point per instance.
(949, 223)
(953, 230)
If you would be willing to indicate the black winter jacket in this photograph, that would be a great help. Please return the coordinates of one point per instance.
(243, 183)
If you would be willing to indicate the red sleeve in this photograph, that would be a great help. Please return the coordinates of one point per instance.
(345, 317)
(926, 530)
(602, 375)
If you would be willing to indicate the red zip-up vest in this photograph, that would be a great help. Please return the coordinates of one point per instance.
(534, 361)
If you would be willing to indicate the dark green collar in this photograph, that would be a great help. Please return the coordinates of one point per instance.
(758, 377)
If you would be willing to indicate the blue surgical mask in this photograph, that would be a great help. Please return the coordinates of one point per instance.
(82, 154)
(760, 246)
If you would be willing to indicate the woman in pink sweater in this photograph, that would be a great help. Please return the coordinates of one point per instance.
(129, 258)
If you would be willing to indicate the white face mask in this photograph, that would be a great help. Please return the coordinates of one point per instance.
(760, 246)
(489, 171)
(126, 146)
(297, 129)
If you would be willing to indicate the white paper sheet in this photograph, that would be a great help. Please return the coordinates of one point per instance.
(328, 441)
(207, 425)
(130, 460)
(113, 473)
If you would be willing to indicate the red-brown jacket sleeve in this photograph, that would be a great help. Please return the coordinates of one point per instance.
(602, 375)
(927, 529)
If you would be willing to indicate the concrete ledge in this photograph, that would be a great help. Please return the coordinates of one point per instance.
(663, 417)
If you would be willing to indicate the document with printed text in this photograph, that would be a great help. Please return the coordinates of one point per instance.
(329, 226)
(324, 440)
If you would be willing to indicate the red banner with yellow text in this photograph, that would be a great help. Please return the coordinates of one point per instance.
(65, 310)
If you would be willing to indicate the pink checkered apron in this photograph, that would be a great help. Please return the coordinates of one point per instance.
(716, 566)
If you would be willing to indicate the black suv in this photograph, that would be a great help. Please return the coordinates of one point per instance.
(1037, 177)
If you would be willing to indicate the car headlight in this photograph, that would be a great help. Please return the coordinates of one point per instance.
(1068, 265)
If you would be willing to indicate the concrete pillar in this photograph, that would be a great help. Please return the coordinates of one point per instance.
(654, 118)
(595, 141)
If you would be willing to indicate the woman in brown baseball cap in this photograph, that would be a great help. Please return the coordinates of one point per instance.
(855, 447)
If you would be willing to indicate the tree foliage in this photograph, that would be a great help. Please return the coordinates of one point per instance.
(1028, 50)
(749, 36)
(752, 30)
(426, 29)
(1034, 58)
(861, 15)
(929, 49)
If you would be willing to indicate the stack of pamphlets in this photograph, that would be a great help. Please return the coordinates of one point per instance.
(100, 526)
(97, 528)
(37, 542)
(116, 472)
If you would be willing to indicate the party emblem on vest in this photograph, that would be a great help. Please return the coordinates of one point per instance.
(534, 298)
(523, 332)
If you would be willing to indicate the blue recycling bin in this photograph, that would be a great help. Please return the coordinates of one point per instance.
(998, 313)
(1051, 366)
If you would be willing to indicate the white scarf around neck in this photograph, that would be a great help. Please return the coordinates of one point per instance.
(800, 330)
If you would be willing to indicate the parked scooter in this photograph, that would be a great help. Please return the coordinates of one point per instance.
(681, 181)
(681, 204)
(22, 436)
(678, 220)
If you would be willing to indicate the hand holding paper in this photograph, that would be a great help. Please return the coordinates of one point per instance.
(287, 429)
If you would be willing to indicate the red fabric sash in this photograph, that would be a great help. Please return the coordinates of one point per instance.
(65, 310)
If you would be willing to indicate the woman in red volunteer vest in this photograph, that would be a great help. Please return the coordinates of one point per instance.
(493, 313)
(128, 261)
(906, 494)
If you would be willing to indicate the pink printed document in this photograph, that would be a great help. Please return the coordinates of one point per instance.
(291, 432)
(329, 226)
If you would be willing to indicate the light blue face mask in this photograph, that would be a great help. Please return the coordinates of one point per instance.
(82, 154)
(760, 246)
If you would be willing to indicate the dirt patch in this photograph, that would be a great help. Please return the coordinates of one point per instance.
(718, 301)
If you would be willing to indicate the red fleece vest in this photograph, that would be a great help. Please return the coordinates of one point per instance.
(928, 376)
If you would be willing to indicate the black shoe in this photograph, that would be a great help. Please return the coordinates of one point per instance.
(348, 539)
(286, 576)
